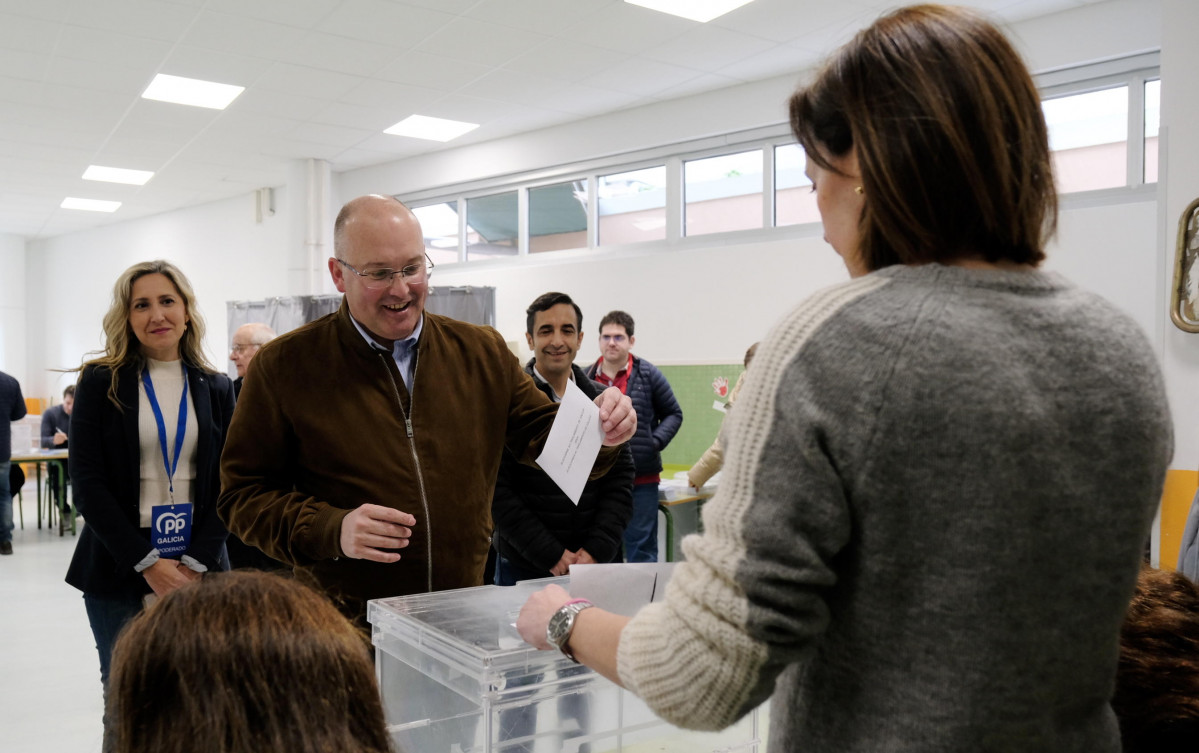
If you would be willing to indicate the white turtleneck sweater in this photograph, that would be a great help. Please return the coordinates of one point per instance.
(167, 377)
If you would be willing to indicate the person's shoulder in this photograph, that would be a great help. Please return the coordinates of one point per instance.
(813, 334)
(435, 323)
(92, 373)
(834, 310)
(219, 382)
(586, 384)
(445, 328)
(653, 373)
(302, 342)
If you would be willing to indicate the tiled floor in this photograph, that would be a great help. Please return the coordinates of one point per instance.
(50, 698)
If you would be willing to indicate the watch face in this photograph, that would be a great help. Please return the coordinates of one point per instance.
(558, 628)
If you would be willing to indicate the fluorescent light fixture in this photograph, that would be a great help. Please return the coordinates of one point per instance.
(117, 175)
(90, 205)
(433, 129)
(191, 91)
(696, 10)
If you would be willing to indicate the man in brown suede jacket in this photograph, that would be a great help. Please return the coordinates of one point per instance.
(365, 444)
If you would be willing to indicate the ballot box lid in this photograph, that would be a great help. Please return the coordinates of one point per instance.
(465, 638)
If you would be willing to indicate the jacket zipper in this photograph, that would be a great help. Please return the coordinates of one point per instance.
(420, 479)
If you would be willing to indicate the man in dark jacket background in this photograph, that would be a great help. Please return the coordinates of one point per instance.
(56, 425)
(658, 419)
(539, 531)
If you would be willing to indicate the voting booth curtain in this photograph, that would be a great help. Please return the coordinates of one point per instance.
(470, 303)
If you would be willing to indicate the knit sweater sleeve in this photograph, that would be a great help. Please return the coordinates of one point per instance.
(749, 599)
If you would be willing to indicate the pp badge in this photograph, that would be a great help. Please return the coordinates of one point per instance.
(171, 528)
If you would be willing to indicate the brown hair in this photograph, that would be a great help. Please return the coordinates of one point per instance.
(1157, 684)
(949, 134)
(749, 353)
(121, 346)
(547, 301)
(244, 662)
(620, 319)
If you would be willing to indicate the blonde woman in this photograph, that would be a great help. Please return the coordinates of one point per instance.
(146, 436)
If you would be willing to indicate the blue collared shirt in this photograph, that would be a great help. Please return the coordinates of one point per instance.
(403, 352)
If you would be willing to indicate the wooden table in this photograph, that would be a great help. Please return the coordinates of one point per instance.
(50, 457)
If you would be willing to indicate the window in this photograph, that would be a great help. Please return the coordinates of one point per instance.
(722, 193)
(558, 216)
(439, 223)
(1103, 121)
(632, 206)
(1103, 125)
(491, 226)
(794, 202)
(1088, 135)
(1153, 106)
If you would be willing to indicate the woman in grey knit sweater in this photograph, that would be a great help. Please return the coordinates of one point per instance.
(940, 474)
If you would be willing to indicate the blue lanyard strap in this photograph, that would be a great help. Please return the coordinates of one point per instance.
(162, 427)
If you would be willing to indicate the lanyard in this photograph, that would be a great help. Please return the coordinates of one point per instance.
(162, 427)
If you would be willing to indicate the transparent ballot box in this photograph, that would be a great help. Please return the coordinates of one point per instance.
(456, 677)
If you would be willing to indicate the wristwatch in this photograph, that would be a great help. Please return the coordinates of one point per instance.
(562, 623)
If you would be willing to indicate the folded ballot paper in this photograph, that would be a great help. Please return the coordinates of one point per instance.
(621, 588)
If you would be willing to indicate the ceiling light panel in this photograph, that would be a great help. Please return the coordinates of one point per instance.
(90, 205)
(696, 10)
(117, 175)
(433, 129)
(191, 91)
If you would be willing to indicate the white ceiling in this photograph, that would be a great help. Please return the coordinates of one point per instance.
(323, 79)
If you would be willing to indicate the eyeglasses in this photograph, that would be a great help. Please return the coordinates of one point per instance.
(377, 279)
(243, 348)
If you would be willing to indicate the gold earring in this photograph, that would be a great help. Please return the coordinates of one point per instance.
(859, 190)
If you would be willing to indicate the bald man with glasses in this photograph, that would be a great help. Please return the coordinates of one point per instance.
(365, 445)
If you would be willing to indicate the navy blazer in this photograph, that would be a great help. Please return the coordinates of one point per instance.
(105, 460)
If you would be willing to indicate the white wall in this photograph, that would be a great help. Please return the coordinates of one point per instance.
(691, 305)
(219, 246)
(1112, 250)
(14, 350)
(1090, 34)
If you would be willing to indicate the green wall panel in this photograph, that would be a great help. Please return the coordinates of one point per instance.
(693, 388)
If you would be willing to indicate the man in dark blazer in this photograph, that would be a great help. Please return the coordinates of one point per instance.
(539, 531)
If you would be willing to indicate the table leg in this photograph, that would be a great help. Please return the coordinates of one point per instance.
(669, 532)
(67, 509)
(38, 466)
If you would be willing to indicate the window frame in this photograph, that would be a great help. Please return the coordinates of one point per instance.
(1132, 71)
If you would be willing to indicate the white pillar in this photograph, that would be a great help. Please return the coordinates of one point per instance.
(311, 231)
(14, 315)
